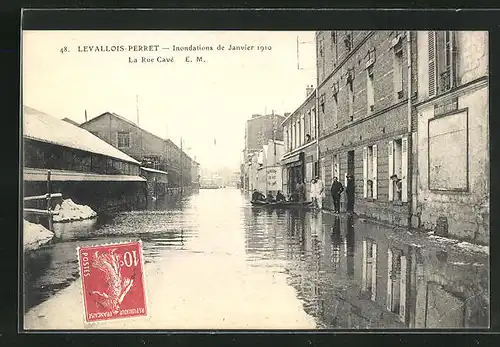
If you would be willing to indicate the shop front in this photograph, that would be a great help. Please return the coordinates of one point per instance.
(294, 171)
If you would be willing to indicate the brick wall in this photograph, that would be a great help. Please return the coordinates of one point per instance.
(387, 121)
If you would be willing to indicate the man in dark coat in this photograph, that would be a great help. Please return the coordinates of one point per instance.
(350, 193)
(336, 189)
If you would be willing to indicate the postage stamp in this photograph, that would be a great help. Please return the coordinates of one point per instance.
(112, 281)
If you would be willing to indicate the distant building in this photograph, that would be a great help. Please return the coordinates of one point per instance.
(265, 172)
(83, 167)
(258, 131)
(151, 150)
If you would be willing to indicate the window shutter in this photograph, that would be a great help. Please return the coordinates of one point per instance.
(389, 280)
(374, 271)
(432, 63)
(363, 262)
(454, 59)
(402, 290)
(404, 169)
(391, 169)
(440, 57)
(365, 171)
(375, 174)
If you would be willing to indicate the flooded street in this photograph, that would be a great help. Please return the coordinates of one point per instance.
(214, 262)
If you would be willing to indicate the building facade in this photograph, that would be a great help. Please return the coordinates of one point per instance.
(150, 150)
(366, 119)
(83, 167)
(453, 133)
(265, 169)
(300, 161)
(258, 131)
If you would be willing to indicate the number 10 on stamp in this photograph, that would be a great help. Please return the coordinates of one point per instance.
(112, 281)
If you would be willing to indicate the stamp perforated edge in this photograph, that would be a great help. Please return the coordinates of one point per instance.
(143, 263)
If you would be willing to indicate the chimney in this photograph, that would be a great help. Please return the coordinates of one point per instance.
(85, 115)
(309, 90)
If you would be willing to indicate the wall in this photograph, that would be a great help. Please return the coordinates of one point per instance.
(466, 210)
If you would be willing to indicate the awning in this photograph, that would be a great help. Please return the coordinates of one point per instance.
(34, 175)
(295, 159)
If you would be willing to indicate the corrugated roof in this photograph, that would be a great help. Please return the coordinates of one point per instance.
(43, 127)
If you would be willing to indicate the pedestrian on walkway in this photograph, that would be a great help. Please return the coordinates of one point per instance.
(350, 193)
(336, 189)
(320, 188)
(301, 190)
(313, 193)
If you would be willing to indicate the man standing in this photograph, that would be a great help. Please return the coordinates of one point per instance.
(301, 190)
(398, 184)
(350, 193)
(313, 192)
(336, 189)
(320, 188)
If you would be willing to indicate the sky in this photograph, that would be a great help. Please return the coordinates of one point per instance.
(204, 103)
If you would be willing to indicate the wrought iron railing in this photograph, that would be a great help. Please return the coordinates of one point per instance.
(445, 80)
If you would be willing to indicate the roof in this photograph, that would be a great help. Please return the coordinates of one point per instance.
(153, 170)
(121, 118)
(63, 175)
(40, 126)
(134, 125)
(66, 119)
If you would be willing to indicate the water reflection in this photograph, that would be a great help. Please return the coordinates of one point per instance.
(343, 271)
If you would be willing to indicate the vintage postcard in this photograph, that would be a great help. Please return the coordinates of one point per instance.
(255, 179)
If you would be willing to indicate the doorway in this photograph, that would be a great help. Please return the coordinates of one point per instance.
(350, 182)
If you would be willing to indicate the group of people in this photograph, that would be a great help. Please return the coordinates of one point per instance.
(317, 190)
(258, 196)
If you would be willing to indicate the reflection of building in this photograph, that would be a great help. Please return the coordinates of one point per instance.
(420, 287)
(453, 132)
(300, 158)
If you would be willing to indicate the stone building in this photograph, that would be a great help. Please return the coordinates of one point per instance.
(365, 118)
(300, 161)
(453, 133)
(150, 150)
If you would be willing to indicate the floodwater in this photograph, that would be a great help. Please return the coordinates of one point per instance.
(215, 262)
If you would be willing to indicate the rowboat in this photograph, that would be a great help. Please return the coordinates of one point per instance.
(284, 204)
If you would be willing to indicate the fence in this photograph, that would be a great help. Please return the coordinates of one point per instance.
(48, 197)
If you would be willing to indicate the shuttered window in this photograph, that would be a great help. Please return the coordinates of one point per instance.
(432, 63)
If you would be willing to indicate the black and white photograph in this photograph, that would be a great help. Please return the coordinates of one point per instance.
(272, 180)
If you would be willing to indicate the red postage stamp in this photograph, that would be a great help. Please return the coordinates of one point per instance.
(112, 281)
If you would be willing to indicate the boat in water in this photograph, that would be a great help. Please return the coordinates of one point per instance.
(283, 204)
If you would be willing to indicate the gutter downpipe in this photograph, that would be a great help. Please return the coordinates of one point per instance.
(316, 113)
(413, 190)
